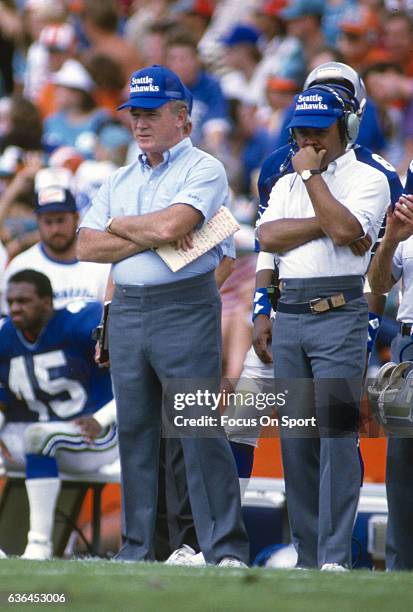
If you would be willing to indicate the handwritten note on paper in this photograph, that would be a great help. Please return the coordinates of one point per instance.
(219, 227)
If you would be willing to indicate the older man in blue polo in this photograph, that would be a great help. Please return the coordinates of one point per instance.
(164, 325)
(314, 218)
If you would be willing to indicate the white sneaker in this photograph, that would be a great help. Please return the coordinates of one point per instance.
(38, 549)
(231, 562)
(198, 560)
(333, 567)
(185, 556)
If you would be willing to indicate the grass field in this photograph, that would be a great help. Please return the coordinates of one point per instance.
(123, 587)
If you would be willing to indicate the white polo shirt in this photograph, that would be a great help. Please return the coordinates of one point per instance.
(362, 189)
(403, 268)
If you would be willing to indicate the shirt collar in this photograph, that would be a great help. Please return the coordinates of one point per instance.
(170, 155)
(341, 162)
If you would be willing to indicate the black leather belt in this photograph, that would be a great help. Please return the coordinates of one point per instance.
(406, 329)
(320, 305)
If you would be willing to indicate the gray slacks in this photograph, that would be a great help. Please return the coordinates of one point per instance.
(399, 483)
(319, 360)
(158, 333)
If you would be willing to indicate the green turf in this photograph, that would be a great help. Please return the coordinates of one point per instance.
(100, 586)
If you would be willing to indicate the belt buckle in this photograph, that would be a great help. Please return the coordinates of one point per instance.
(337, 300)
(319, 305)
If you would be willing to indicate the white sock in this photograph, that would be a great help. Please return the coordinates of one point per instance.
(42, 494)
(243, 484)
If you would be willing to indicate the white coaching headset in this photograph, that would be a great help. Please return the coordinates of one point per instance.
(350, 121)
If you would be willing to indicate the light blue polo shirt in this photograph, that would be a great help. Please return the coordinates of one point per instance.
(187, 175)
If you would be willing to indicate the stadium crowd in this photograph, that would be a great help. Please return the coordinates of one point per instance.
(64, 70)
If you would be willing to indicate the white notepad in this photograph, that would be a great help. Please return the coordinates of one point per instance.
(222, 225)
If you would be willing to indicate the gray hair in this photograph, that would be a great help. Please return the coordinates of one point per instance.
(176, 106)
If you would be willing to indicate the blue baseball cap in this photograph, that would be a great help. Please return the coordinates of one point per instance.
(241, 34)
(153, 87)
(55, 199)
(316, 108)
(301, 8)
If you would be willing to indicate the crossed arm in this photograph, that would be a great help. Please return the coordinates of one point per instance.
(332, 218)
(136, 233)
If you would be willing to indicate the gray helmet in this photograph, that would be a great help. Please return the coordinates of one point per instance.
(332, 73)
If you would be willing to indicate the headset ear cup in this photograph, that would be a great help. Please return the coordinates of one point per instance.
(352, 126)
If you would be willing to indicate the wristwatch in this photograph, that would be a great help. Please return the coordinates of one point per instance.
(109, 223)
(307, 174)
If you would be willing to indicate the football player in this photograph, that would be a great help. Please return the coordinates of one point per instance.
(57, 408)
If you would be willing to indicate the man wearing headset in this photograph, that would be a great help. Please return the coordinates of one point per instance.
(258, 361)
(315, 219)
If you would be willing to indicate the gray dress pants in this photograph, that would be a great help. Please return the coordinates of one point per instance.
(159, 333)
(319, 361)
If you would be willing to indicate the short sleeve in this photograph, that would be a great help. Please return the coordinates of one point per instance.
(275, 208)
(369, 202)
(99, 213)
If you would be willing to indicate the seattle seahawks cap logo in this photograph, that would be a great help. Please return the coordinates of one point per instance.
(316, 108)
(153, 87)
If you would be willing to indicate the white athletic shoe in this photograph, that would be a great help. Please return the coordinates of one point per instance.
(185, 556)
(231, 562)
(333, 567)
(38, 549)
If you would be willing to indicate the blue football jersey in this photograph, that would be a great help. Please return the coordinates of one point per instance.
(279, 163)
(408, 188)
(55, 378)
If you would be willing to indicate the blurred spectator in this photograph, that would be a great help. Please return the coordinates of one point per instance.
(248, 145)
(108, 78)
(145, 13)
(18, 227)
(226, 14)
(112, 143)
(334, 14)
(193, 15)
(154, 42)
(398, 41)
(60, 42)
(23, 127)
(280, 91)
(242, 56)
(209, 113)
(303, 18)
(100, 21)
(281, 53)
(324, 54)
(10, 31)
(396, 119)
(38, 14)
(358, 39)
(77, 119)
